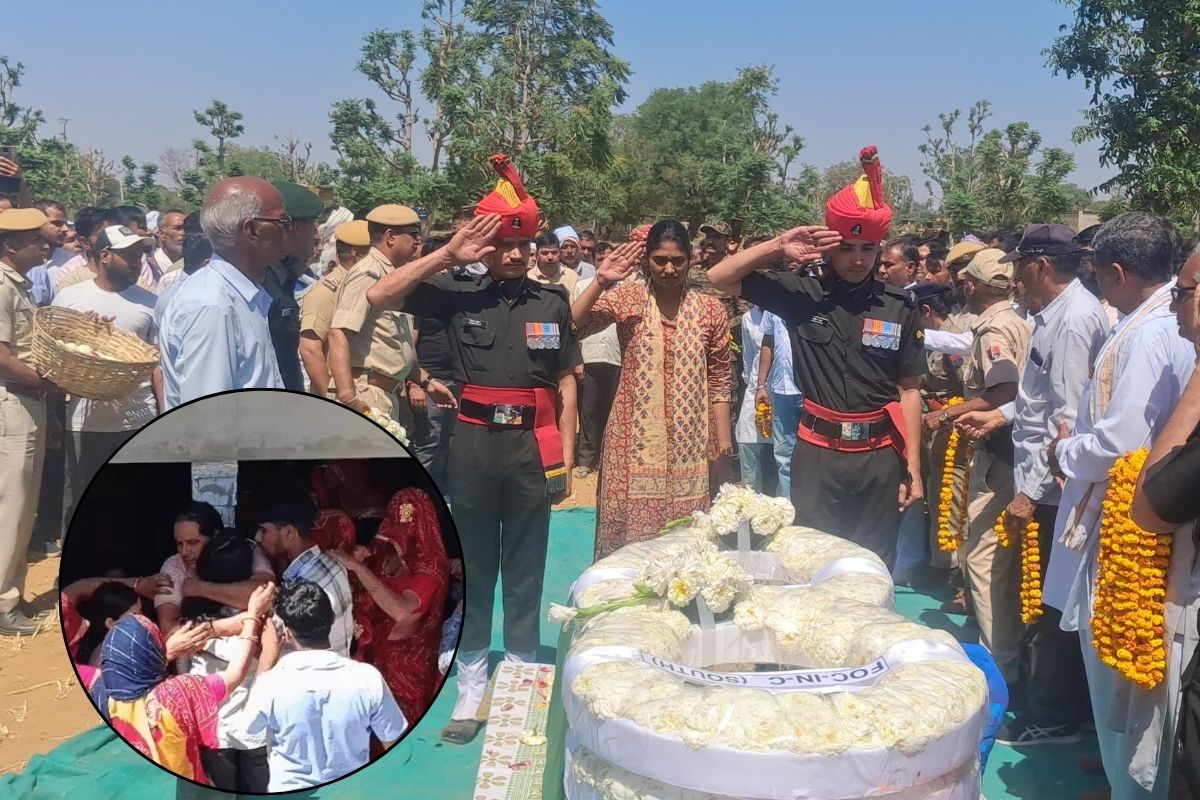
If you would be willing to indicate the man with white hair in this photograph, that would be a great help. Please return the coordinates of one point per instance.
(214, 333)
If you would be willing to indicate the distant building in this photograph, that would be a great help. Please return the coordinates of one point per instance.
(1080, 219)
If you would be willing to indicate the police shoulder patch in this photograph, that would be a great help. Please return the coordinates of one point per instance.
(331, 282)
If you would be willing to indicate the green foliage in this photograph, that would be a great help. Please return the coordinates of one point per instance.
(999, 178)
(1141, 61)
(139, 185)
(716, 151)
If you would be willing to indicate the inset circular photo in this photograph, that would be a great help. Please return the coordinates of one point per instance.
(262, 591)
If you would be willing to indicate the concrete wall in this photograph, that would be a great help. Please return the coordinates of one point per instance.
(259, 425)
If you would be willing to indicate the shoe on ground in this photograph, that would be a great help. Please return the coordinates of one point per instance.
(35, 615)
(15, 623)
(583, 472)
(1023, 732)
(54, 549)
(956, 606)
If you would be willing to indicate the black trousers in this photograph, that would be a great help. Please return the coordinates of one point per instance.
(503, 518)
(595, 403)
(1185, 765)
(852, 495)
(1056, 687)
(237, 770)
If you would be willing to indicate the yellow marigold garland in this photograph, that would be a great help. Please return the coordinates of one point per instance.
(763, 419)
(1128, 630)
(947, 539)
(1031, 565)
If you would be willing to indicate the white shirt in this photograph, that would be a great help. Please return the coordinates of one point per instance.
(602, 347)
(1152, 367)
(318, 710)
(162, 260)
(1067, 335)
(952, 344)
(752, 336)
(782, 377)
(133, 310)
(233, 717)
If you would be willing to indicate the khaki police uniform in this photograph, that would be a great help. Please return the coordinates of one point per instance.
(993, 573)
(22, 426)
(382, 350)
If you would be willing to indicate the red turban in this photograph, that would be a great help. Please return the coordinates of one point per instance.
(640, 234)
(859, 211)
(518, 211)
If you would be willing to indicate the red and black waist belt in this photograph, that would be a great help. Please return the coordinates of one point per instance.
(520, 409)
(852, 433)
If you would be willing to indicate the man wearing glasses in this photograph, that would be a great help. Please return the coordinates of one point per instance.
(214, 334)
(371, 351)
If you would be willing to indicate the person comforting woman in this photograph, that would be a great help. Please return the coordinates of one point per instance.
(671, 418)
(168, 718)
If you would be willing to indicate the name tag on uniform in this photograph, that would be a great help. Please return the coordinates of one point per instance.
(822, 321)
(542, 335)
(884, 335)
(474, 323)
(287, 312)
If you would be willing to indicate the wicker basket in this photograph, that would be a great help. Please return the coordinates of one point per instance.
(123, 364)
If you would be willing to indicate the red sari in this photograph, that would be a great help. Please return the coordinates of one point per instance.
(409, 530)
(347, 485)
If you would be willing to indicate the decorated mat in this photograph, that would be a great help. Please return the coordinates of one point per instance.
(514, 744)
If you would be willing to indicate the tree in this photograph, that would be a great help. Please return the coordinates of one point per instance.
(18, 124)
(1141, 62)
(223, 124)
(139, 186)
(533, 79)
(716, 150)
(999, 178)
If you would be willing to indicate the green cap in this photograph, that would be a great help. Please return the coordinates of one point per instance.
(298, 202)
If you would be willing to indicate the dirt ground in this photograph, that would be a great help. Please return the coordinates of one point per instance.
(41, 702)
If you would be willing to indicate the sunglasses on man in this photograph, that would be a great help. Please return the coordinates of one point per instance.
(1179, 292)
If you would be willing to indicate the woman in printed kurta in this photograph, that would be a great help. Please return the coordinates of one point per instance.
(671, 416)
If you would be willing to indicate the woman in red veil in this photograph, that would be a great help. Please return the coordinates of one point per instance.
(400, 595)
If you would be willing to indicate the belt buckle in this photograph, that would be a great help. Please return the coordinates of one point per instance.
(854, 431)
(505, 414)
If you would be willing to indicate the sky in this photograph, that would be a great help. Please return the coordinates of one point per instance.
(850, 74)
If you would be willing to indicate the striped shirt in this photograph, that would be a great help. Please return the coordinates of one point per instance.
(313, 565)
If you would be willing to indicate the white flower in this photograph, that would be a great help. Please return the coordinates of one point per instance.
(561, 614)
(680, 591)
(725, 518)
(769, 515)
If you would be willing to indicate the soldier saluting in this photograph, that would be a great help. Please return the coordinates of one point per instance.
(858, 355)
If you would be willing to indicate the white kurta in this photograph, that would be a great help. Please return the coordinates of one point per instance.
(752, 337)
(1151, 366)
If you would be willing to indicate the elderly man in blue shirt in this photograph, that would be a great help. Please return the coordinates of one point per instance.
(214, 334)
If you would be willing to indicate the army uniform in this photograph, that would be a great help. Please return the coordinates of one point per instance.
(283, 318)
(851, 345)
(319, 302)
(22, 422)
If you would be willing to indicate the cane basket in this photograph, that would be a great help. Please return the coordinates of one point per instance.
(121, 364)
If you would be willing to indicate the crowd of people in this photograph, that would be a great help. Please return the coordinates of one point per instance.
(931, 397)
(280, 662)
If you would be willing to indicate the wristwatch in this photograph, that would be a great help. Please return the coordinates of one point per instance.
(425, 383)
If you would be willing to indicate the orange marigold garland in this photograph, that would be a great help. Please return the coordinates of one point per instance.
(947, 538)
(763, 419)
(1128, 630)
(1031, 565)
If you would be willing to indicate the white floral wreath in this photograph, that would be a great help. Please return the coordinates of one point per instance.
(641, 695)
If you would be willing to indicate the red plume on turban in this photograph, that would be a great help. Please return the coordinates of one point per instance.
(509, 199)
(859, 211)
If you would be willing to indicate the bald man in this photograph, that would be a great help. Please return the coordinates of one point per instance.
(214, 333)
